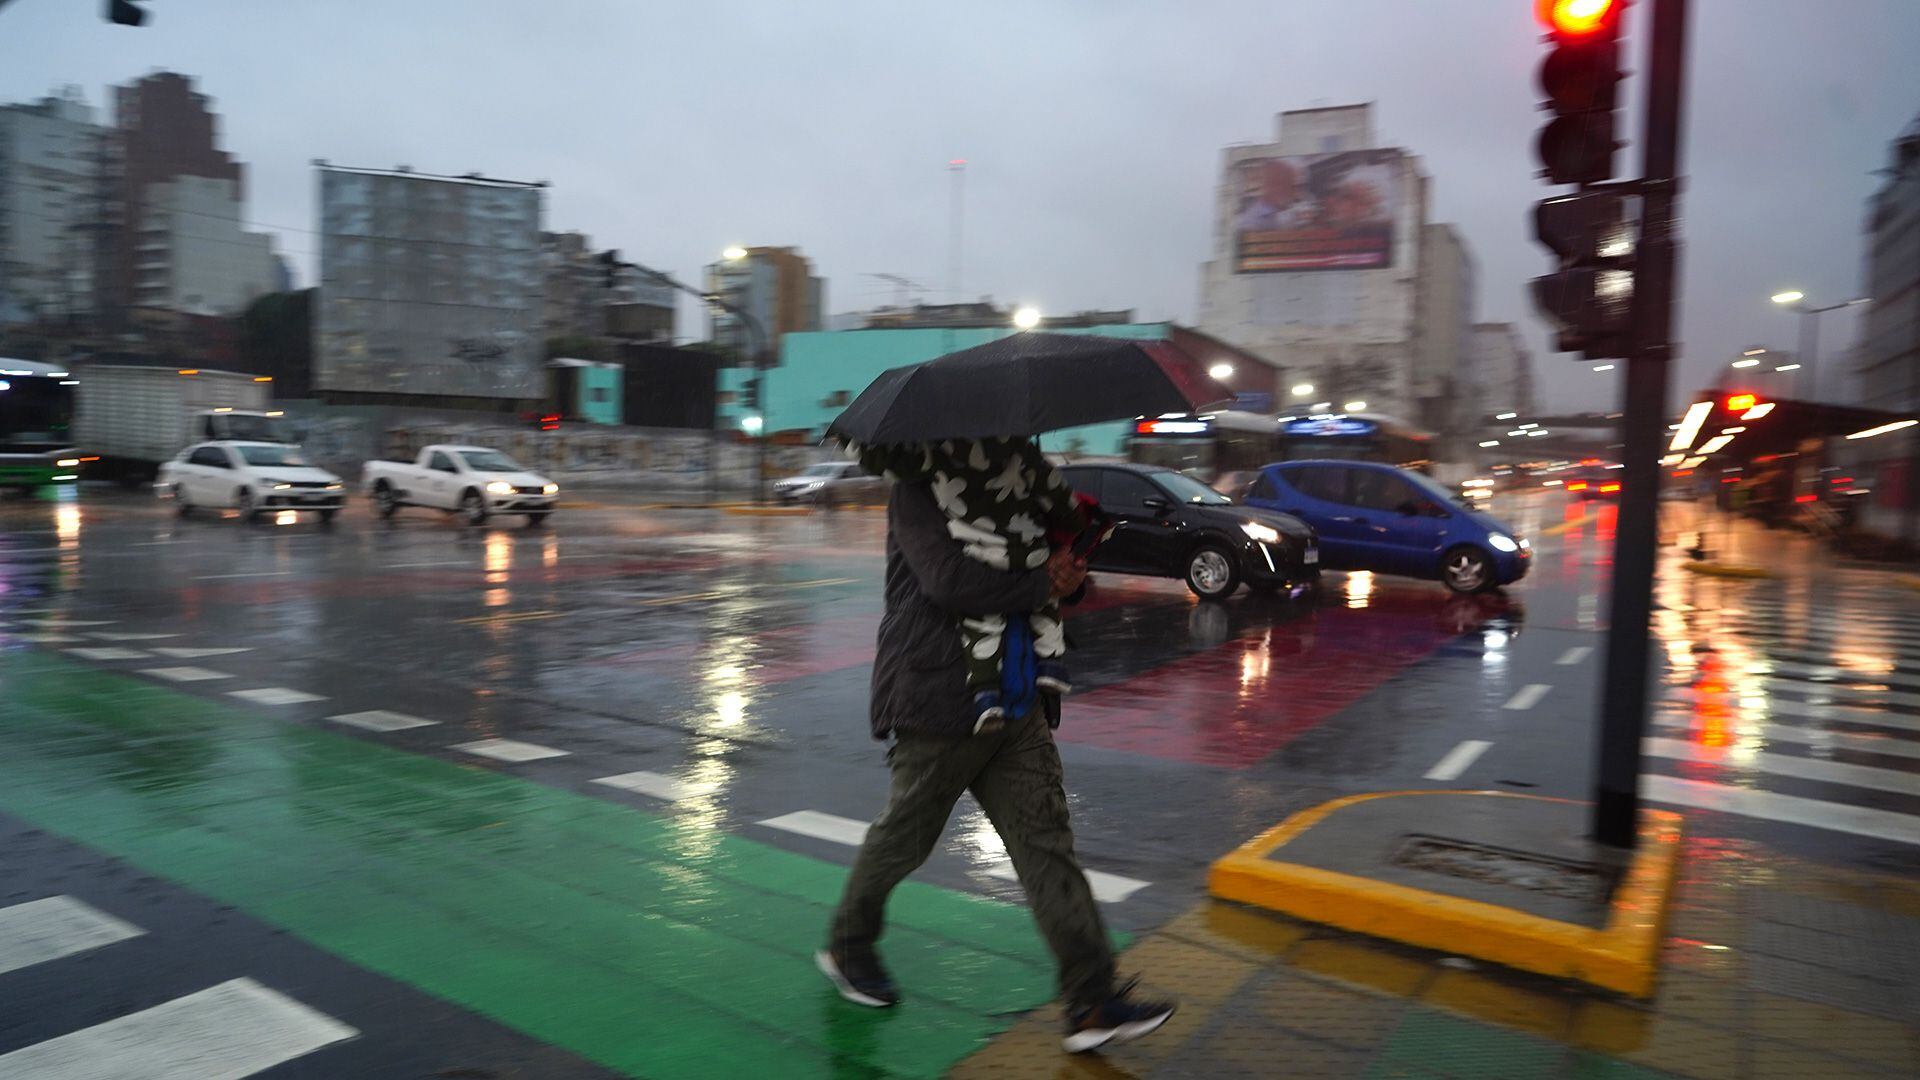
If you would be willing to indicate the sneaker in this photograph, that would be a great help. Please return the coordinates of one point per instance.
(863, 984)
(1114, 1021)
(1053, 679)
(988, 715)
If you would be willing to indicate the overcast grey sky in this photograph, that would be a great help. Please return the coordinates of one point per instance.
(1093, 129)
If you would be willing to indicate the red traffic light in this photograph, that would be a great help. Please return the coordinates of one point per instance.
(1577, 18)
(1741, 402)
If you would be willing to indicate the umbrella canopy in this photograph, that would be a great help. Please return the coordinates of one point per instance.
(1027, 384)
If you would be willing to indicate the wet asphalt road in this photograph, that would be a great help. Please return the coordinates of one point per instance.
(713, 667)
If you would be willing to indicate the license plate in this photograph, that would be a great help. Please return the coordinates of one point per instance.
(1313, 556)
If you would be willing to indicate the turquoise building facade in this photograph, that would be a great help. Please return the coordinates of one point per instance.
(821, 372)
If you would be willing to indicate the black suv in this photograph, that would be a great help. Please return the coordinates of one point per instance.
(1171, 525)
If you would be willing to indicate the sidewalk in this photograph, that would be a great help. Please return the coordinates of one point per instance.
(1772, 967)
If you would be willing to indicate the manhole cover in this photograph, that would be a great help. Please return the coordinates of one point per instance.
(1566, 878)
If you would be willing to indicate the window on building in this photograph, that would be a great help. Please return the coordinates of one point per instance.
(1331, 143)
(839, 399)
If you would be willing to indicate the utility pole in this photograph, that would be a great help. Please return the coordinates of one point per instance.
(1623, 705)
(957, 169)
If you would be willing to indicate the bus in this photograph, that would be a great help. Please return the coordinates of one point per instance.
(36, 426)
(1219, 447)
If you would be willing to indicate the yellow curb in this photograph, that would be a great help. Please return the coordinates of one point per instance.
(1623, 956)
(1732, 570)
(1556, 530)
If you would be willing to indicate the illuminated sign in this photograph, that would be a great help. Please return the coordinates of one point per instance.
(1171, 427)
(1332, 425)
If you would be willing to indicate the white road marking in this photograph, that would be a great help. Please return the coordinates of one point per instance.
(224, 1032)
(68, 624)
(114, 635)
(276, 695)
(1824, 674)
(109, 653)
(418, 565)
(195, 654)
(1837, 714)
(44, 639)
(1843, 694)
(657, 785)
(185, 674)
(1887, 745)
(509, 750)
(258, 573)
(1754, 803)
(821, 826)
(381, 720)
(1458, 760)
(1829, 772)
(1106, 888)
(1574, 655)
(42, 930)
(1527, 697)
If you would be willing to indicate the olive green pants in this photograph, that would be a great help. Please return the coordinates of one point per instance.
(1015, 776)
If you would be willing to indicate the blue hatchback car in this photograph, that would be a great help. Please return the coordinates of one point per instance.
(1377, 517)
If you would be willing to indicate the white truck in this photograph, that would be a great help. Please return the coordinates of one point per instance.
(474, 481)
(134, 418)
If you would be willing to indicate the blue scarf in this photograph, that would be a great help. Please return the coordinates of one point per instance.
(1018, 669)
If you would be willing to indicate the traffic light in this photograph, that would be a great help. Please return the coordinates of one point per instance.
(1589, 299)
(1580, 78)
(610, 267)
(125, 12)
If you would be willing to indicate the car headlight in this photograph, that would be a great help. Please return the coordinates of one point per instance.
(1266, 534)
(1502, 542)
(551, 489)
(336, 487)
(283, 487)
(68, 462)
(500, 487)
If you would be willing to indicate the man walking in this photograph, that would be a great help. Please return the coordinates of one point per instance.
(1013, 770)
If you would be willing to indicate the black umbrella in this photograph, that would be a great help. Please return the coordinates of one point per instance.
(1026, 384)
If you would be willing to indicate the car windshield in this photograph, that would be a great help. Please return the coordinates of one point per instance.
(489, 461)
(1435, 490)
(821, 471)
(1188, 490)
(273, 455)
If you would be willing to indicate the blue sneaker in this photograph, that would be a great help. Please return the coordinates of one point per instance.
(1051, 676)
(988, 714)
(1113, 1021)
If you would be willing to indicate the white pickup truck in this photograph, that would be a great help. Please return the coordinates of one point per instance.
(475, 481)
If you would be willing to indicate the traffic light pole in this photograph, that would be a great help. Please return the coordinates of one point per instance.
(1623, 706)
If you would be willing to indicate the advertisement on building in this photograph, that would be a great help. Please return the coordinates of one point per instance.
(428, 286)
(1316, 212)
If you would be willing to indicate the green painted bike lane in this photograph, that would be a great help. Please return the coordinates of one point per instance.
(658, 945)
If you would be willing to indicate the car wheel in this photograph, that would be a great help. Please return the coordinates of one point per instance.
(537, 519)
(1211, 573)
(243, 502)
(1467, 570)
(384, 500)
(180, 504)
(473, 508)
(326, 516)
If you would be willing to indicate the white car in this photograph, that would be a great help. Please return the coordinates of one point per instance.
(475, 481)
(831, 482)
(251, 477)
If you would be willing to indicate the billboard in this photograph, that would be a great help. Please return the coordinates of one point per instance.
(1315, 212)
(429, 285)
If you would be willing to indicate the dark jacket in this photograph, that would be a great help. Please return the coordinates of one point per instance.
(919, 674)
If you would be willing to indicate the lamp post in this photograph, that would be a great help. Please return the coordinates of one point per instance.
(1795, 300)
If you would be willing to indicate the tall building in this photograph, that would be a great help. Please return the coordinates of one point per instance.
(1890, 347)
(776, 286)
(1445, 377)
(179, 203)
(49, 202)
(431, 289)
(1505, 369)
(1324, 265)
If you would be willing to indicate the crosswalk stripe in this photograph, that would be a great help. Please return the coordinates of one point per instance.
(511, 750)
(1840, 714)
(122, 635)
(659, 786)
(380, 720)
(833, 827)
(42, 930)
(1753, 803)
(277, 695)
(1827, 675)
(225, 1032)
(196, 654)
(1106, 888)
(1829, 772)
(185, 674)
(108, 653)
(1822, 738)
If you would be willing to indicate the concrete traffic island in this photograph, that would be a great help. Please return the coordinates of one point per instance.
(1496, 876)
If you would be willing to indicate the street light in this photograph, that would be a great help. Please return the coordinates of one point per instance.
(1304, 389)
(1354, 406)
(1746, 362)
(752, 425)
(1603, 367)
(1791, 296)
(1810, 330)
(1506, 416)
(734, 253)
(1221, 371)
(1026, 318)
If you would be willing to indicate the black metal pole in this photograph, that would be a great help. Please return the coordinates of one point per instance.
(1623, 702)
